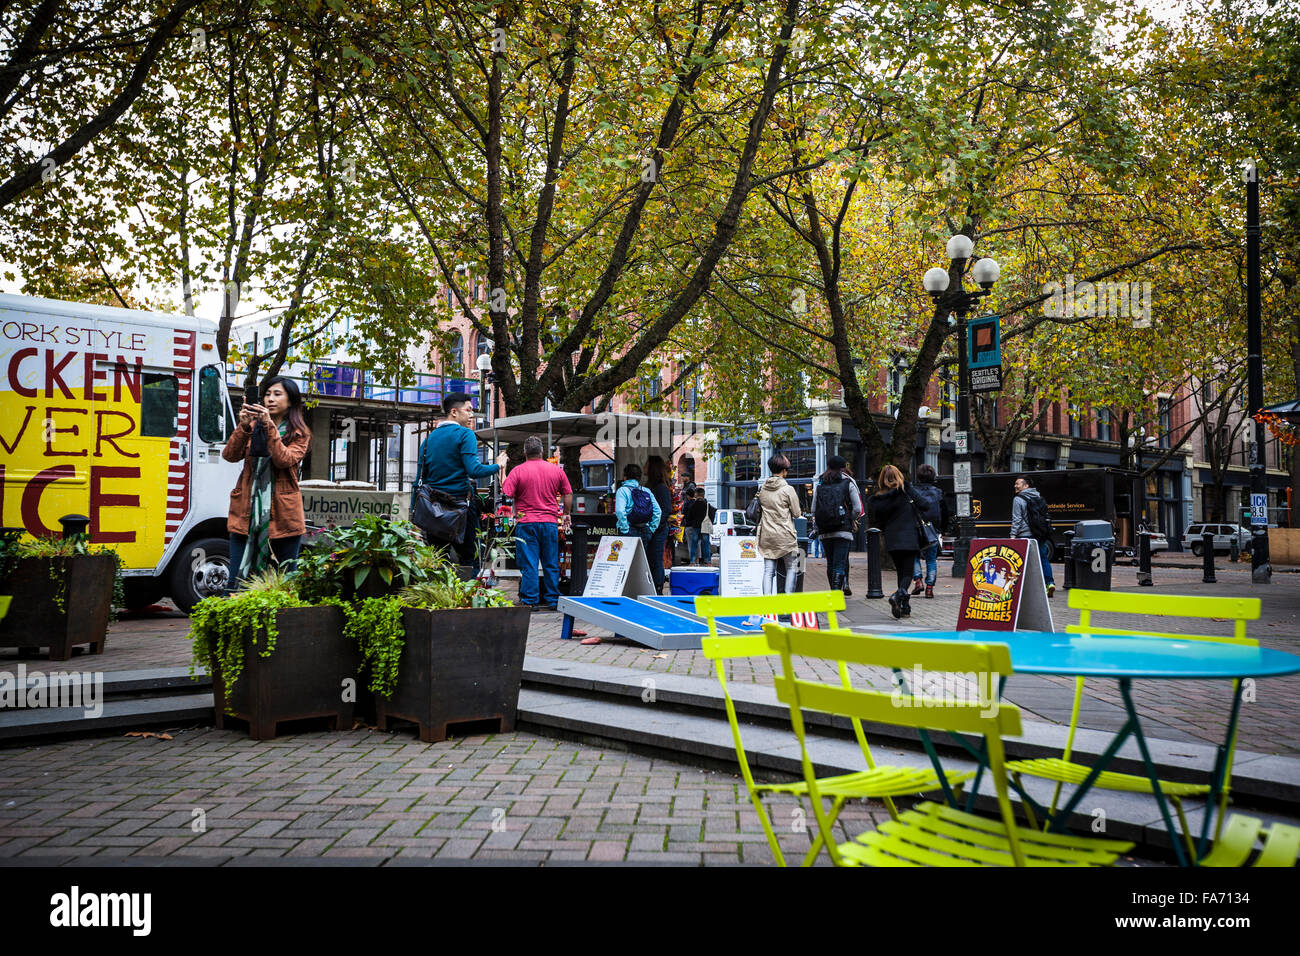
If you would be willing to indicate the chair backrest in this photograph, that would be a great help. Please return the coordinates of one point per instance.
(1237, 610)
(985, 715)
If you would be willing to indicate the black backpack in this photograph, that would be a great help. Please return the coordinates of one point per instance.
(1036, 516)
(832, 513)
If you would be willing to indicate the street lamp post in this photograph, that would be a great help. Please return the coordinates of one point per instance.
(960, 301)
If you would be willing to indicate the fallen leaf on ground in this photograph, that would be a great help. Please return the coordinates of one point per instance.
(658, 656)
(148, 733)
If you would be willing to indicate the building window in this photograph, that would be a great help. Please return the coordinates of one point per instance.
(598, 477)
(897, 379)
(1072, 422)
(456, 358)
(803, 459)
(1104, 425)
(1165, 413)
(651, 387)
(744, 463)
(948, 395)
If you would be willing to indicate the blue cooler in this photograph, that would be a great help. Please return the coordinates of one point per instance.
(693, 580)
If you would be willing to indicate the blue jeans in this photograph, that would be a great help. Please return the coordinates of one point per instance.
(1045, 552)
(538, 542)
(698, 543)
(930, 556)
(285, 551)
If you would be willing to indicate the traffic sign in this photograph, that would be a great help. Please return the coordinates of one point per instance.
(963, 442)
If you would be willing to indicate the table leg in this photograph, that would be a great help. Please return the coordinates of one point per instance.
(1125, 686)
(1222, 767)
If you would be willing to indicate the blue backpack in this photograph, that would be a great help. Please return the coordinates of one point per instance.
(643, 507)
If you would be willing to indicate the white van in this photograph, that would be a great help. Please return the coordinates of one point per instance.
(120, 416)
(729, 521)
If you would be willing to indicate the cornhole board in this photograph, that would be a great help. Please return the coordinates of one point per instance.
(684, 604)
(639, 621)
(1004, 588)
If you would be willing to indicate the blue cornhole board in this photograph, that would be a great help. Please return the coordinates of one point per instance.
(684, 604)
(634, 620)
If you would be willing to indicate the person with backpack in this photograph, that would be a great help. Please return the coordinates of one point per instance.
(1029, 519)
(635, 509)
(934, 509)
(836, 507)
(656, 482)
(893, 510)
(698, 511)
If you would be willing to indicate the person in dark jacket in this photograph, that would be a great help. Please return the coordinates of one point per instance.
(837, 541)
(934, 509)
(656, 482)
(890, 509)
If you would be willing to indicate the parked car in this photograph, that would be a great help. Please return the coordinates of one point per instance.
(729, 521)
(1159, 542)
(1223, 535)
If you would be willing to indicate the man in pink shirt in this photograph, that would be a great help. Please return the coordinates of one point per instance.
(535, 486)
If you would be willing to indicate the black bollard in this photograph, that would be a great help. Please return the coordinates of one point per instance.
(1068, 568)
(1234, 549)
(74, 525)
(874, 589)
(1144, 559)
(1207, 544)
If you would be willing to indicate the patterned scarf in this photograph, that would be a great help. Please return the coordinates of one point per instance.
(257, 552)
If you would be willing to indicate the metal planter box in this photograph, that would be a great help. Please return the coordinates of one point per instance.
(458, 666)
(35, 619)
(303, 678)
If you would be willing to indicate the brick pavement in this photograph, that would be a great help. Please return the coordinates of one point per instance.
(513, 797)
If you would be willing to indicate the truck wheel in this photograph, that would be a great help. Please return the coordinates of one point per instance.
(139, 593)
(1198, 548)
(200, 570)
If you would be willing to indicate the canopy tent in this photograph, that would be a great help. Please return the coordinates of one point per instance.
(1287, 410)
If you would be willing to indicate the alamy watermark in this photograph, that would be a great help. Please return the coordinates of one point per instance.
(1071, 300)
(35, 689)
(943, 689)
(645, 431)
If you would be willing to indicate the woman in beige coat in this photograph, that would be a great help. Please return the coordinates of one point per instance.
(777, 537)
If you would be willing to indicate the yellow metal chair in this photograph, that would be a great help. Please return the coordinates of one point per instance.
(879, 782)
(930, 834)
(1237, 840)
(1063, 770)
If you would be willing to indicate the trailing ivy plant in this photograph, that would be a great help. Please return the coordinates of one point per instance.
(376, 625)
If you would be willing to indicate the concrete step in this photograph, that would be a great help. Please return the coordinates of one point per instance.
(1258, 780)
(24, 725)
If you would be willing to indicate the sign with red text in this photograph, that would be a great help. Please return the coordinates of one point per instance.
(1004, 588)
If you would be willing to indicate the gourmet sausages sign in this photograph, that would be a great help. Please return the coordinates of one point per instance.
(1004, 588)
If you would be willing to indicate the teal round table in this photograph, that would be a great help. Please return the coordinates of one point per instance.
(1129, 657)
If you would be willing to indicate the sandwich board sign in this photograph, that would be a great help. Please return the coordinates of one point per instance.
(620, 569)
(1004, 588)
(742, 567)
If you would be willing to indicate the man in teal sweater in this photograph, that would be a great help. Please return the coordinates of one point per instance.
(449, 463)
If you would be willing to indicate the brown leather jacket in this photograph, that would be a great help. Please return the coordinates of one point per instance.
(286, 500)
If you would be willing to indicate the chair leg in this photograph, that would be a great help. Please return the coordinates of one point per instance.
(811, 857)
(893, 810)
(1030, 817)
(767, 828)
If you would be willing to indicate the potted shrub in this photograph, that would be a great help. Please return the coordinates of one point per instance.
(275, 656)
(443, 651)
(64, 591)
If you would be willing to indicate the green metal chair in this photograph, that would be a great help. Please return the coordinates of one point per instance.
(880, 782)
(1237, 840)
(930, 834)
(1063, 770)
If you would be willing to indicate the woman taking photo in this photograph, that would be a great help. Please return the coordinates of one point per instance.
(891, 510)
(266, 519)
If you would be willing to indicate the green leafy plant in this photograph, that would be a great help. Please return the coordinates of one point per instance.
(376, 625)
(57, 551)
(340, 563)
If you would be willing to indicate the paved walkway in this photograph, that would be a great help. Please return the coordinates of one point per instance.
(364, 794)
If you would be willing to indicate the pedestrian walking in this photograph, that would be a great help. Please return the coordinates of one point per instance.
(656, 482)
(1030, 519)
(449, 465)
(266, 521)
(698, 512)
(635, 510)
(543, 497)
(836, 508)
(891, 509)
(934, 509)
(777, 538)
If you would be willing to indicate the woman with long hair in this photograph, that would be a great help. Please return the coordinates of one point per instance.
(266, 522)
(656, 482)
(891, 510)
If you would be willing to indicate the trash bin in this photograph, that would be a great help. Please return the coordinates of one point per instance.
(1093, 545)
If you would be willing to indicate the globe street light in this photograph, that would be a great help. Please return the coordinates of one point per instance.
(960, 301)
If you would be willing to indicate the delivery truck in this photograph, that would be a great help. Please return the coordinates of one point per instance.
(119, 415)
(1072, 494)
